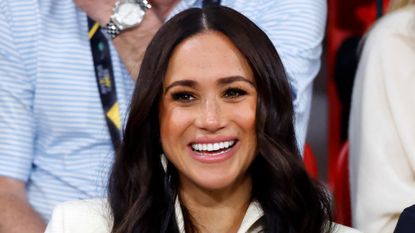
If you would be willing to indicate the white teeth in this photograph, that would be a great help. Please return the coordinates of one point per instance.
(212, 146)
(216, 146)
(198, 147)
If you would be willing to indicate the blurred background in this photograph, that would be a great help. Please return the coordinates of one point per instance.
(348, 21)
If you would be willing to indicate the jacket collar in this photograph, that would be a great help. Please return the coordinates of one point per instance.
(249, 224)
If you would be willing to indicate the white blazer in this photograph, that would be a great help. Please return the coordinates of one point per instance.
(93, 216)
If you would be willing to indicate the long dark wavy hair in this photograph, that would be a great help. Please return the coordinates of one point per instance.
(142, 194)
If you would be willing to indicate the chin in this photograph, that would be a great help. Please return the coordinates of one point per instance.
(217, 183)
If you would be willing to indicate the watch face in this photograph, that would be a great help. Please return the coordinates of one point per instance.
(128, 14)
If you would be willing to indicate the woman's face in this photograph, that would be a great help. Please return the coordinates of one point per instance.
(207, 113)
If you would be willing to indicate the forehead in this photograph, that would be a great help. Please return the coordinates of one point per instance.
(209, 54)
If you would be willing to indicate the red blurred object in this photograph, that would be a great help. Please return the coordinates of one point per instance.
(310, 162)
(341, 188)
(345, 19)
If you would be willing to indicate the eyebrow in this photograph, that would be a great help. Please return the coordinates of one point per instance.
(222, 81)
(187, 83)
(231, 79)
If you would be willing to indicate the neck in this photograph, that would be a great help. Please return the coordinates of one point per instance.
(218, 211)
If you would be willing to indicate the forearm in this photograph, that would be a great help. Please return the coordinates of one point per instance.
(17, 216)
(132, 44)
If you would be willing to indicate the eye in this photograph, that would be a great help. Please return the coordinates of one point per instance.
(234, 93)
(183, 97)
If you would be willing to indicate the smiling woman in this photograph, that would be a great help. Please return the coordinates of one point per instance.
(213, 97)
(209, 145)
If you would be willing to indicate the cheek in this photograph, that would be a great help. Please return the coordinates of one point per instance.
(246, 117)
(173, 123)
(246, 121)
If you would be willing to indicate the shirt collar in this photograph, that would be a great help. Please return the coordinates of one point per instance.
(253, 214)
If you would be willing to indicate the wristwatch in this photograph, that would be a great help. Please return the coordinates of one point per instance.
(126, 14)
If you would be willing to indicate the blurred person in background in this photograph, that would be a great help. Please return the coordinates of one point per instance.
(382, 123)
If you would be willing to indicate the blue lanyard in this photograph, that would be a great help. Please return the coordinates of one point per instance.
(105, 80)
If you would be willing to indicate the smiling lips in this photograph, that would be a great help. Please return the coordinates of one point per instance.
(213, 148)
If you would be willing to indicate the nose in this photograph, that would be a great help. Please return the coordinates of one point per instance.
(210, 116)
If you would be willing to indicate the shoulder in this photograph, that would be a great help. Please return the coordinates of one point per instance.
(394, 26)
(389, 50)
(390, 42)
(94, 206)
(399, 19)
(86, 216)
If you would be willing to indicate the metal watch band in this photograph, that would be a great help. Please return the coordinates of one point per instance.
(112, 30)
(145, 5)
(111, 27)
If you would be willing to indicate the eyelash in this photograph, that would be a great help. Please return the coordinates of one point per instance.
(187, 97)
(234, 92)
(183, 97)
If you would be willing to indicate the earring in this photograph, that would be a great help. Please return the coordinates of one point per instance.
(163, 159)
(164, 164)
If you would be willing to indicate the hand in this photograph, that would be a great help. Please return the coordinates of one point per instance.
(17, 215)
(98, 10)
